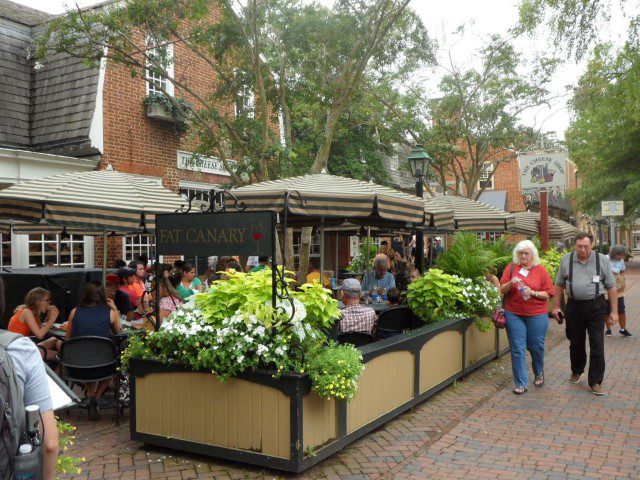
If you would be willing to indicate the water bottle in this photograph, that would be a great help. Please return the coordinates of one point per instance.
(384, 294)
(521, 289)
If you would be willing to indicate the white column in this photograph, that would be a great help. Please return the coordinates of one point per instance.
(89, 254)
(19, 251)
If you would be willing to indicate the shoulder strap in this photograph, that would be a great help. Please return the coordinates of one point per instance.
(571, 275)
(6, 338)
(598, 274)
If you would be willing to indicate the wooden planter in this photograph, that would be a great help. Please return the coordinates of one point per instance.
(278, 422)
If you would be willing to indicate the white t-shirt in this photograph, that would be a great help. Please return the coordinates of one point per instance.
(29, 367)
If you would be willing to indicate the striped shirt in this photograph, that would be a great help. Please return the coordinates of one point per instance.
(357, 318)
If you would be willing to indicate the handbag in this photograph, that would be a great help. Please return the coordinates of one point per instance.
(499, 318)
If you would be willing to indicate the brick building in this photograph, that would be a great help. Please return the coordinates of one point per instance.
(63, 116)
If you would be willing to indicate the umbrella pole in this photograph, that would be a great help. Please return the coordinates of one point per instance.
(337, 258)
(322, 251)
(368, 247)
(104, 256)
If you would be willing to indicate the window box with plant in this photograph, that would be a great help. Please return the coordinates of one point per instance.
(172, 110)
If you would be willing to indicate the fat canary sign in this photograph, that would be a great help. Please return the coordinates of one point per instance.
(233, 233)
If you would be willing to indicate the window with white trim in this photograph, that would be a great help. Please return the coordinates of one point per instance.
(394, 162)
(48, 249)
(135, 245)
(245, 102)
(5, 250)
(486, 177)
(160, 58)
(314, 250)
(199, 191)
(489, 236)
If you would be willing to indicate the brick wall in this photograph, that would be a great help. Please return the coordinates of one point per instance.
(507, 178)
(136, 144)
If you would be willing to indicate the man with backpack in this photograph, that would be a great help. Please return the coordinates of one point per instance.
(23, 381)
(586, 275)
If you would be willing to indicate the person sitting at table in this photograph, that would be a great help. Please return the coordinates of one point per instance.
(314, 273)
(26, 322)
(169, 297)
(127, 278)
(121, 299)
(380, 278)
(96, 315)
(189, 283)
(393, 297)
(356, 317)
(140, 276)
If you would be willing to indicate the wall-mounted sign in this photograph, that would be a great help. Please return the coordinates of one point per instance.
(613, 209)
(198, 163)
(207, 234)
(543, 170)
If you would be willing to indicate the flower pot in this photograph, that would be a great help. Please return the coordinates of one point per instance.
(159, 112)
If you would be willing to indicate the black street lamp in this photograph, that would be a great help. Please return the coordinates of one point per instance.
(419, 165)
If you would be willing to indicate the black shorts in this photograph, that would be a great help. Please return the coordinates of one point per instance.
(620, 306)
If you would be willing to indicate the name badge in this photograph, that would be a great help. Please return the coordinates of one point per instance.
(523, 272)
(596, 279)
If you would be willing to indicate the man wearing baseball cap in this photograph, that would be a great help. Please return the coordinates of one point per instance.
(355, 316)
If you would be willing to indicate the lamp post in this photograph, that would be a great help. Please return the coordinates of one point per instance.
(419, 165)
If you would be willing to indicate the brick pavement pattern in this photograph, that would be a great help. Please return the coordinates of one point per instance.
(475, 429)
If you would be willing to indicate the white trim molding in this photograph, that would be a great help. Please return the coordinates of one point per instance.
(21, 165)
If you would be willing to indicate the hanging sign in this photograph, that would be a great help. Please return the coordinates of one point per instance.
(612, 208)
(543, 170)
(221, 234)
(198, 163)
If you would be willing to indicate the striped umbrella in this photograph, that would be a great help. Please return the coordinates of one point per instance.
(528, 223)
(471, 215)
(335, 198)
(90, 201)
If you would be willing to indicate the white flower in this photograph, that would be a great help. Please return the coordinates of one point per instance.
(240, 358)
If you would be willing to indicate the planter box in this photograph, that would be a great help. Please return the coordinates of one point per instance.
(277, 422)
(158, 112)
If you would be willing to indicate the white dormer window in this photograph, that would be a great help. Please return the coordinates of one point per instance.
(160, 62)
(486, 177)
(245, 102)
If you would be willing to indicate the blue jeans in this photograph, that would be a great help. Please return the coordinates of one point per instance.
(526, 333)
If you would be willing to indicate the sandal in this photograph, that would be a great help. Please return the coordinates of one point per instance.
(519, 390)
(539, 380)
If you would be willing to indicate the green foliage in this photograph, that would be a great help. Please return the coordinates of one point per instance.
(322, 309)
(502, 253)
(335, 370)
(367, 249)
(67, 464)
(551, 261)
(466, 257)
(434, 296)
(603, 136)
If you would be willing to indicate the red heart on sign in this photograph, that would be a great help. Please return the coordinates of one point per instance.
(256, 236)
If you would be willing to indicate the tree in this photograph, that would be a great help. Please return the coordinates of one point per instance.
(472, 127)
(603, 137)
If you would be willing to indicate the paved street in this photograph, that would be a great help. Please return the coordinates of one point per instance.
(476, 429)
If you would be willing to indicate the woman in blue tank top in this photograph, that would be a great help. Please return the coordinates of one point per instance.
(95, 316)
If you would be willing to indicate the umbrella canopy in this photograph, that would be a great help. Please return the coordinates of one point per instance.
(91, 201)
(335, 198)
(528, 223)
(471, 215)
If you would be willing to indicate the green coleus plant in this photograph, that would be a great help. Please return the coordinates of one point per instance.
(435, 296)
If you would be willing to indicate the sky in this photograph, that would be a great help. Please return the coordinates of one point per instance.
(441, 18)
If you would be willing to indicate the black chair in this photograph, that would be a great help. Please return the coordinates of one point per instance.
(91, 359)
(357, 339)
(394, 321)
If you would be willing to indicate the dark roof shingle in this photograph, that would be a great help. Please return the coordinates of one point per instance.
(23, 14)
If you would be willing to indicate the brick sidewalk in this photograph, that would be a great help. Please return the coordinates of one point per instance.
(475, 429)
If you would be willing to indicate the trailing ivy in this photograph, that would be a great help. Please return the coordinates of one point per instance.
(175, 107)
